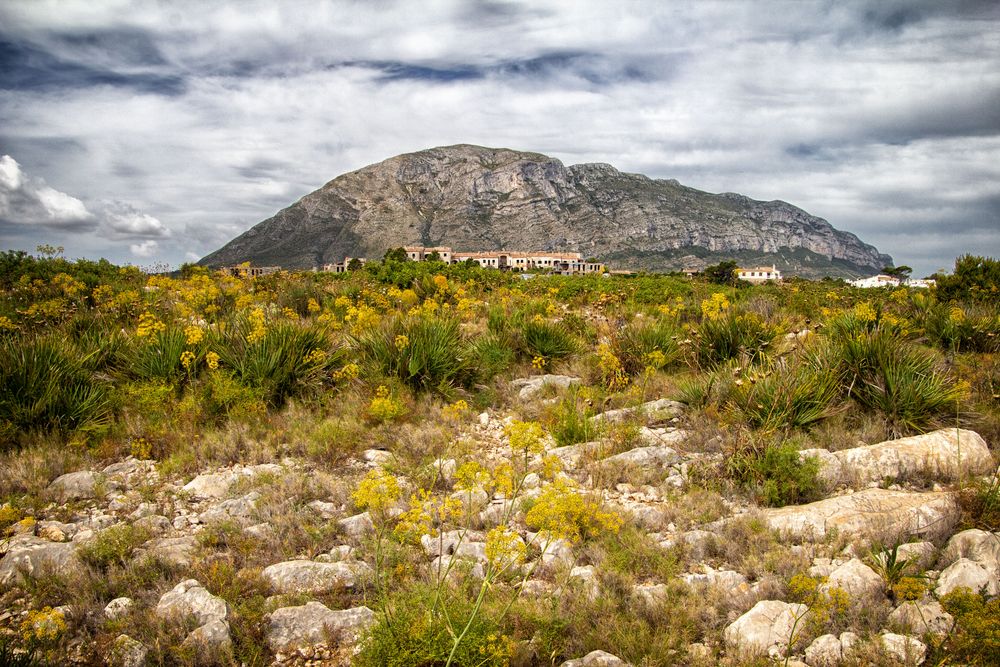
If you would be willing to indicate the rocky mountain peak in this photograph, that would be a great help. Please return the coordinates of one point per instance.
(479, 198)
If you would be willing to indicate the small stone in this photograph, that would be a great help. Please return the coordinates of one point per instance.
(127, 652)
(903, 648)
(117, 608)
(585, 576)
(596, 659)
(212, 636)
(324, 509)
(824, 651)
(357, 526)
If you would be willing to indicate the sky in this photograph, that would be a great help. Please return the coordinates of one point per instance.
(154, 132)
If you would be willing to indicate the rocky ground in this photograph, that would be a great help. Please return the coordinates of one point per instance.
(316, 609)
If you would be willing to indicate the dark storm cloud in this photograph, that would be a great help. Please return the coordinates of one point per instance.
(27, 67)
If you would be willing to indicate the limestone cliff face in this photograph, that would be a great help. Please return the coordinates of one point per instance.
(475, 198)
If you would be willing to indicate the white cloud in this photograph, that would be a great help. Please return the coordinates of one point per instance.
(128, 222)
(144, 249)
(29, 201)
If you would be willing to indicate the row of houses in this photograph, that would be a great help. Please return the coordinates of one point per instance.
(566, 263)
(882, 280)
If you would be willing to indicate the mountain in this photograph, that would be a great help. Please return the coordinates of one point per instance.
(476, 198)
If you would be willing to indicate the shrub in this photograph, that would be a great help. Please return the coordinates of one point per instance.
(897, 379)
(112, 546)
(731, 335)
(980, 502)
(974, 279)
(159, 357)
(776, 474)
(410, 634)
(570, 420)
(789, 394)
(425, 352)
(976, 637)
(279, 358)
(549, 340)
(493, 354)
(646, 344)
(964, 330)
(44, 385)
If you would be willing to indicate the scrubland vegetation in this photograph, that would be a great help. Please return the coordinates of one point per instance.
(199, 372)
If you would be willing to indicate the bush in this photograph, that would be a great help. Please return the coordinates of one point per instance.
(410, 634)
(897, 379)
(777, 475)
(550, 340)
(159, 357)
(789, 394)
(732, 335)
(964, 330)
(425, 352)
(974, 279)
(646, 344)
(112, 546)
(493, 354)
(976, 637)
(280, 360)
(569, 422)
(44, 385)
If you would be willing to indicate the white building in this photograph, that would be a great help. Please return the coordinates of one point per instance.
(759, 274)
(880, 280)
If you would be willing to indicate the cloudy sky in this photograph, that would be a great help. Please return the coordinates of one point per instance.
(156, 131)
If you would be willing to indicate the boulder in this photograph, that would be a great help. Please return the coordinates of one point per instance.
(857, 580)
(922, 616)
(976, 545)
(306, 576)
(947, 454)
(532, 386)
(190, 599)
(872, 514)
(903, 649)
(32, 558)
(652, 412)
(965, 573)
(81, 485)
(314, 623)
(572, 455)
(240, 510)
(212, 636)
(596, 659)
(174, 551)
(824, 651)
(656, 456)
(829, 473)
(585, 576)
(210, 485)
(127, 652)
(730, 580)
(917, 554)
(650, 594)
(767, 626)
(324, 509)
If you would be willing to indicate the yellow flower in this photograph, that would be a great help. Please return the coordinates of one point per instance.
(149, 325)
(865, 312)
(289, 313)
(525, 437)
(43, 626)
(187, 359)
(563, 512)
(315, 356)
(402, 342)
(539, 362)
(257, 327)
(470, 476)
(504, 548)
(313, 306)
(715, 307)
(440, 283)
(347, 373)
(194, 334)
(377, 492)
(212, 360)
(6, 324)
(611, 368)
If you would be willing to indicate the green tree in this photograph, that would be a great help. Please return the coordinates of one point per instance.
(396, 255)
(723, 273)
(433, 257)
(902, 272)
(974, 279)
(354, 264)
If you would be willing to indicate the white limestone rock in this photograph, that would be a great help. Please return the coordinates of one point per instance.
(306, 576)
(313, 623)
(766, 627)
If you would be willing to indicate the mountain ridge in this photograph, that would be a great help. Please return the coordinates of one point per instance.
(477, 198)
